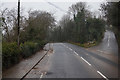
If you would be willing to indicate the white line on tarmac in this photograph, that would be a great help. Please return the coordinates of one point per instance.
(75, 53)
(70, 49)
(45, 72)
(100, 51)
(41, 75)
(86, 61)
(108, 43)
(102, 75)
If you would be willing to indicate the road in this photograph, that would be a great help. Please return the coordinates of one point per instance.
(66, 63)
(109, 44)
(71, 61)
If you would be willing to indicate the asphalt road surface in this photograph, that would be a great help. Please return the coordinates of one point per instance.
(71, 61)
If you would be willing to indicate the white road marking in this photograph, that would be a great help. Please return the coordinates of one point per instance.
(63, 45)
(67, 47)
(70, 49)
(75, 53)
(102, 75)
(45, 72)
(86, 61)
(108, 43)
(41, 75)
(100, 51)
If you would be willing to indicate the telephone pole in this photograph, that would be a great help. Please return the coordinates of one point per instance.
(18, 39)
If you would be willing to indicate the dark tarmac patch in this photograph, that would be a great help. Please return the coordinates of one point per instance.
(49, 73)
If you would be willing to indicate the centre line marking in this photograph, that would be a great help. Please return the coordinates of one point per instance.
(41, 75)
(75, 53)
(86, 61)
(101, 75)
(108, 43)
(70, 49)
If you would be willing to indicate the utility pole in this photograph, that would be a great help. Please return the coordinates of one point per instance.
(18, 40)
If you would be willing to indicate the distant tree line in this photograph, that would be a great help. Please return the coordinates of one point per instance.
(79, 25)
(111, 11)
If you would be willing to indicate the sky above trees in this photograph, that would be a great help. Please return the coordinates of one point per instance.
(57, 8)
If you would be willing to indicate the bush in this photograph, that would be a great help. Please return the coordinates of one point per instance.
(29, 48)
(10, 54)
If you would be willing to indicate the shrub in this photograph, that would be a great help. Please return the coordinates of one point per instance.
(10, 54)
(29, 48)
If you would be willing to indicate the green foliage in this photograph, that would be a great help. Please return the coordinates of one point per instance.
(111, 11)
(10, 54)
(82, 28)
(86, 45)
(29, 48)
(38, 24)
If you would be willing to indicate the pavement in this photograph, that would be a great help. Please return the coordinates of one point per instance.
(72, 61)
(20, 69)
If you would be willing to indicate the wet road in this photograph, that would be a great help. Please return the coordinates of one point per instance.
(71, 61)
(65, 63)
(109, 44)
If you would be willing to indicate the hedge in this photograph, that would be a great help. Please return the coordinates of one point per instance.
(11, 53)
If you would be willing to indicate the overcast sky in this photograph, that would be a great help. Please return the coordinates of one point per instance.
(58, 8)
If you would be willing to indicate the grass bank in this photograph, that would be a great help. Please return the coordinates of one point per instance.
(86, 45)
